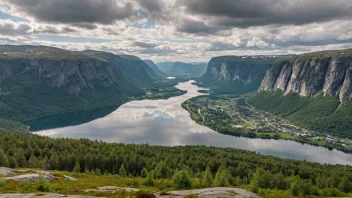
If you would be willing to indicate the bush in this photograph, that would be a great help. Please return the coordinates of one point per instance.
(25, 186)
(149, 181)
(181, 180)
(2, 183)
(42, 185)
(144, 194)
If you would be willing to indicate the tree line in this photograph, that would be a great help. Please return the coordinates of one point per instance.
(212, 166)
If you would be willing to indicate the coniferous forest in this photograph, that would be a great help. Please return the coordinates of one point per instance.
(211, 166)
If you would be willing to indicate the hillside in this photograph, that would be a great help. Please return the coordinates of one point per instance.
(188, 69)
(236, 74)
(165, 66)
(37, 80)
(157, 71)
(312, 90)
(92, 166)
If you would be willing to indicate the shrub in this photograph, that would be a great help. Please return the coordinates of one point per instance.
(42, 185)
(2, 183)
(144, 194)
(149, 181)
(181, 180)
(25, 186)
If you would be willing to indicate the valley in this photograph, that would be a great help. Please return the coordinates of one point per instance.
(175, 98)
(233, 115)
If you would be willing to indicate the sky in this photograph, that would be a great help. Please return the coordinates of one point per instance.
(179, 30)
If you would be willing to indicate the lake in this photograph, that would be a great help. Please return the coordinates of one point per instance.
(165, 122)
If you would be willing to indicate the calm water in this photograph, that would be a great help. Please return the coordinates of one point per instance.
(164, 122)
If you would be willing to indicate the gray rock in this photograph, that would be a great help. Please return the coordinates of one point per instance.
(70, 178)
(6, 171)
(33, 195)
(308, 74)
(211, 193)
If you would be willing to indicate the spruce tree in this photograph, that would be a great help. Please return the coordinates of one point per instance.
(122, 171)
(4, 162)
(208, 178)
(77, 168)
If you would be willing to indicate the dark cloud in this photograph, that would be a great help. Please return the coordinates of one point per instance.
(151, 5)
(144, 44)
(245, 13)
(76, 12)
(9, 28)
(199, 27)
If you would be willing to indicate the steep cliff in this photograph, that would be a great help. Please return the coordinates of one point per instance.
(157, 71)
(328, 72)
(235, 73)
(311, 90)
(37, 81)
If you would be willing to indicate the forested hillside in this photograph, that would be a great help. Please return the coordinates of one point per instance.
(322, 114)
(212, 166)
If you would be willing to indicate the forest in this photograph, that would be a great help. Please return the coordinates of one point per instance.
(187, 166)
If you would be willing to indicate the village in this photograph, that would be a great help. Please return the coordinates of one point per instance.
(243, 116)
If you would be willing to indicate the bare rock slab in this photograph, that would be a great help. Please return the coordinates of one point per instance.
(211, 193)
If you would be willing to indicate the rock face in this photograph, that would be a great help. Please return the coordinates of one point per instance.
(308, 74)
(246, 70)
(211, 193)
(70, 70)
(73, 75)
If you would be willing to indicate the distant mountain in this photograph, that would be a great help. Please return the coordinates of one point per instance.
(188, 69)
(165, 66)
(313, 90)
(38, 80)
(236, 74)
(157, 71)
(183, 69)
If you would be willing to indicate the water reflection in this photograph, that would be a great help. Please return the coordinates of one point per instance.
(164, 122)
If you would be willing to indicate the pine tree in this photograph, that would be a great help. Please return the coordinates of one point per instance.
(149, 180)
(122, 171)
(181, 180)
(221, 177)
(4, 162)
(86, 170)
(97, 172)
(144, 173)
(77, 168)
(208, 178)
(33, 162)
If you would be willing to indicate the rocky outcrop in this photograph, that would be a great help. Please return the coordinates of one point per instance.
(211, 193)
(246, 69)
(73, 75)
(328, 72)
(41, 195)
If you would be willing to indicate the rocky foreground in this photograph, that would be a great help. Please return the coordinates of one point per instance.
(200, 193)
(33, 175)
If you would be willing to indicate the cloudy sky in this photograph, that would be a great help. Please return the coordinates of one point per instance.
(182, 30)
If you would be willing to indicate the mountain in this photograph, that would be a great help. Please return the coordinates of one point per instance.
(165, 66)
(157, 71)
(38, 80)
(188, 69)
(312, 90)
(236, 74)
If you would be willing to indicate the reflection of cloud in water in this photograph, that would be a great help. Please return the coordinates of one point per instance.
(157, 115)
(164, 122)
